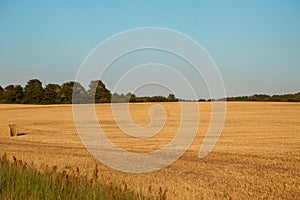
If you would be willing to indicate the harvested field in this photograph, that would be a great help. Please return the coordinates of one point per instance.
(257, 156)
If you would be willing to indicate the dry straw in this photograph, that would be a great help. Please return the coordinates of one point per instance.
(13, 130)
(9, 130)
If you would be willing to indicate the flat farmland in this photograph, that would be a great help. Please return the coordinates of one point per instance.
(256, 157)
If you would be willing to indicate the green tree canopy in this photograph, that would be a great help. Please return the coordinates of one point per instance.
(98, 92)
(51, 94)
(33, 93)
(13, 94)
(66, 92)
(121, 98)
(73, 92)
(172, 98)
(2, 95)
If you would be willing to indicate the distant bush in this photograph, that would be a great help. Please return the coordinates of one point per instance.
(264, 97)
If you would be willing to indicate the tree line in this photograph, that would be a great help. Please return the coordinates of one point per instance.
(69, 92)
(74, 92)
(263, 97)
(260, 97)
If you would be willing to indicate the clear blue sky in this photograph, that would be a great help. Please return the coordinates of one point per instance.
(255, 43)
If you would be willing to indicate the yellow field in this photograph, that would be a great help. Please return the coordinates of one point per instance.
(257, 156)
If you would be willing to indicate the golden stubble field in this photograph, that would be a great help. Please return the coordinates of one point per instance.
(257, 156)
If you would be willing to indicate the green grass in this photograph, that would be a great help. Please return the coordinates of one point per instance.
(18, 180)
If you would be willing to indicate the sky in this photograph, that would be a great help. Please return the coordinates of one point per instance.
(255, 44)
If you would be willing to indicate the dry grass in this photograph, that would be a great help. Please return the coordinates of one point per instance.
(257, 156)
(13, 130)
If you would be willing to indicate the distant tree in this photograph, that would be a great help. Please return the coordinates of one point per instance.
(276, 98)
(114, 97)
(51, 94)
(158, 99)
(14, 94)
(79, 94)
(172, 98)
(33, 92)
(297, 97)
(264, 97)
(73, 92)
(121, 98)
(259, 97)
(2, 95)
(10, 93)
(133, 98)
(19, 94)
(128, 97)
(98, 92)
(66, 92)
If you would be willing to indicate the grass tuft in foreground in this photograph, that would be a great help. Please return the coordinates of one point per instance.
(18, 180)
